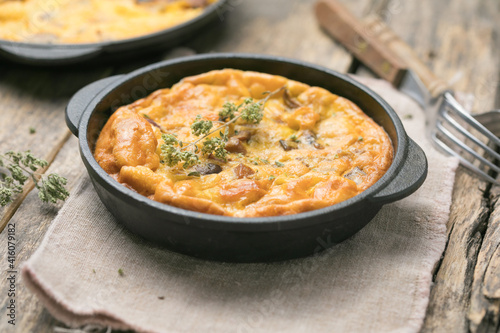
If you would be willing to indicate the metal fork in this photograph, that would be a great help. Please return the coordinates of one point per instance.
(458, 139)
(449, 126)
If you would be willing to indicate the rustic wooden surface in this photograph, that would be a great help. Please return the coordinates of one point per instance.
(457, 39)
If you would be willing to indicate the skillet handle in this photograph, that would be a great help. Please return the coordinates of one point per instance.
(40, 55)
(409, 178)
(79, 102)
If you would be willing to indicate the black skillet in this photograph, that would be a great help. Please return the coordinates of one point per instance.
(241, 239)
(39, 54)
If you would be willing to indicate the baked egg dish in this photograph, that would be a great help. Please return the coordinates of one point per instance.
(244, 144)
(91, 21)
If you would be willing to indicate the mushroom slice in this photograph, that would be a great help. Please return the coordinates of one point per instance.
(355, 175)
(154, 123)
(290, 102)
(288, 145)
(310, 137)
(243, 135)
(243, 171)
(208, 168)
(234, 145)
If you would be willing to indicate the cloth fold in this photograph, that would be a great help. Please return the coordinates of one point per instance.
(90, 270)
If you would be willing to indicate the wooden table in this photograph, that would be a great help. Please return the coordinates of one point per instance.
(458, 39)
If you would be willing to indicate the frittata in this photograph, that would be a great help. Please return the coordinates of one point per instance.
(90, 21)
(312, 148)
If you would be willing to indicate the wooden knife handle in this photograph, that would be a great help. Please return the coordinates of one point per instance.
(380, 31)
(335, 19)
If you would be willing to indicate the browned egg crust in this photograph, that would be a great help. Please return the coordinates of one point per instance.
(312, 149)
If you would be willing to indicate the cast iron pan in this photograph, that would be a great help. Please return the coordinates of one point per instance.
(39, 54)
(241, 239)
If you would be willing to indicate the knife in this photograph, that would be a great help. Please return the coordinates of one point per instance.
(376, 46)
(368, 41)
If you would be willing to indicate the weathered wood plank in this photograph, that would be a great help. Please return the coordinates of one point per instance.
(451, 295)
(451, 291)
(457, 40)
(484, 311)
(36, 98)
(279, 27)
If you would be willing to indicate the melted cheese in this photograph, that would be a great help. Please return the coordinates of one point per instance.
(329, 152)
(89, 21)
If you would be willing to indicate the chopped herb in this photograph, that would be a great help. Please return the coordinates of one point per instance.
(93, 271)
(294, 138)
(194, 174)
(360, 138)
(264, 161)
(146, 116)
(272, 177)
(120, 272)
(408, 116)
(32, 130)
(279, 164)
(336, 156)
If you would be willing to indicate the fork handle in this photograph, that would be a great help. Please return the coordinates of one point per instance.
(387, 37)
(343, 26)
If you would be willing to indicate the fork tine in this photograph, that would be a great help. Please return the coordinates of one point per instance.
(471, 137)
(465, 147)
(446, 125)
(490, 120)
(461, 112)
(463, 161)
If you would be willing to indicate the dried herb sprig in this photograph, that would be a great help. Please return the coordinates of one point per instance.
(22, 166)
(174, 151)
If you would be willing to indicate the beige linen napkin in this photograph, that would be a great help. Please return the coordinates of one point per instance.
(376, 281)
